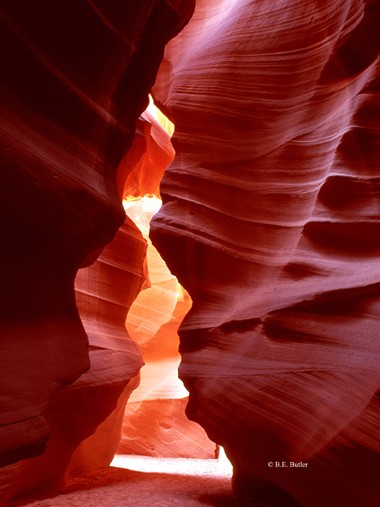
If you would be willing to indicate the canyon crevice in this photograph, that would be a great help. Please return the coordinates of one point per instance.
(270, 222)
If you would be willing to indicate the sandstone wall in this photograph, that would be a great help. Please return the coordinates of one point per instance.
(271, 222)
(75, 77)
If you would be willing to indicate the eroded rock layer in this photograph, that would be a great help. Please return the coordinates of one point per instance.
(75, 78)
(271, 222)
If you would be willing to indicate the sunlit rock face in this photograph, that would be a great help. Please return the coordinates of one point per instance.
(271, 222)
(75, 78)
(155, 423)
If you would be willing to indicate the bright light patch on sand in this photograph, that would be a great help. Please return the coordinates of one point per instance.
(220, 467)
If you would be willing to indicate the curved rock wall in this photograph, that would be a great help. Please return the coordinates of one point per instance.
(271, 222)
(75, 77)
(85, 417)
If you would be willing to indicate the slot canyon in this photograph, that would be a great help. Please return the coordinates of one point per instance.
(242, 315)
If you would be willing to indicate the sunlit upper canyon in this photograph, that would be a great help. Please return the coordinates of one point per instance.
(189, 256)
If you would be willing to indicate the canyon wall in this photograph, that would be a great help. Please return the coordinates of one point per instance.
(271, 222)
(75, 78)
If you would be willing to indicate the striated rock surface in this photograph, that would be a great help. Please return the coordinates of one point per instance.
(271, 222)
(75, 78)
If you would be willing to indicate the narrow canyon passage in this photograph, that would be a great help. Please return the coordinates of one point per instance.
(162, 457)
(154, 422)
(157, 407)
(269, 227)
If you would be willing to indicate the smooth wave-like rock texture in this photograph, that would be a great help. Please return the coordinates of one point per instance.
(85, 418)
(75, 78)
(271, 222)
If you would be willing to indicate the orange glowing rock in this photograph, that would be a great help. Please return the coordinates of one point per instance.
(155, 423)
(141, 170)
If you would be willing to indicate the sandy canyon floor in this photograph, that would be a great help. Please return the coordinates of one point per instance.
(146, 482)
